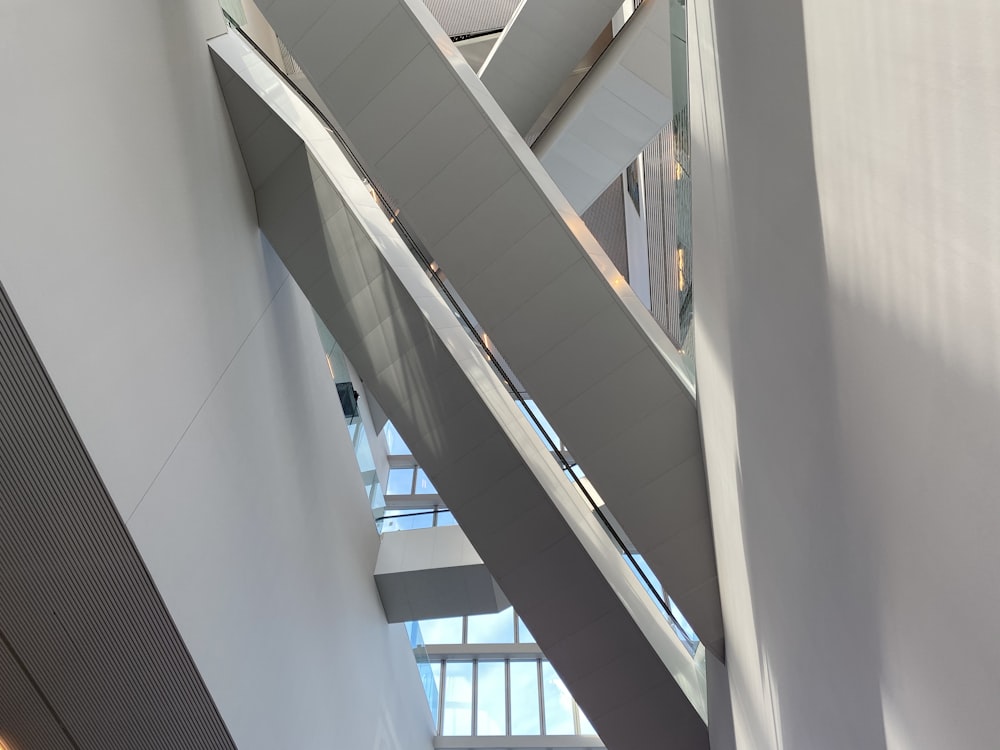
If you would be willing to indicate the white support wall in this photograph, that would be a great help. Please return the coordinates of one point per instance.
(192, 368)
(848, 311)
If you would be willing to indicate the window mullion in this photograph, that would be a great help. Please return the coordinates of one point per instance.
(541, 698)
(441, 701)
(475, 697)
(506, 671)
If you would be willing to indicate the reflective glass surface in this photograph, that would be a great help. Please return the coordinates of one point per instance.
(401, 520)
(457, 698)
(546, 428)
(400, 482)
(558, 703)
(497, 628)
(423, 485)
(523, 636)
(445, 518)
(394, 441)
(491, 713)
(446, 630)
(524, 717)
(427, 670)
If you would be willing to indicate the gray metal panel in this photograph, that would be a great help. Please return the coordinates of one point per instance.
(79, 611)
(533, 276)
(539, 50)
(547, 552)
(465, 17)
(618, 107)
(606, 221)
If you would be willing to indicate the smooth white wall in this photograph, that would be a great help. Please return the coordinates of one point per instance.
(720, 710)
(192, 368)
(848, 309)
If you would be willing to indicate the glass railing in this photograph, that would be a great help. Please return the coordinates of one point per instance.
(424, 668)
(350, 405)
(478, 335)
(408, 520)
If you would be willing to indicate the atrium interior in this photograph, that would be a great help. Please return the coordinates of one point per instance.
(499, 374)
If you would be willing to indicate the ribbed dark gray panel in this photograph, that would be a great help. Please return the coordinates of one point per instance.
(465, 17)
(25, 720)
(606, 221)
(88, 641)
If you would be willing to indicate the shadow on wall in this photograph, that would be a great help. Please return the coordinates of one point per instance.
(763, 318)
(913, 252)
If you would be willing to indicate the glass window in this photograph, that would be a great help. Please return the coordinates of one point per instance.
(682, 621)
(546, 428)
(434, 697)
(444, 631)
(430, 676)
(491, 713)
(457, 699)
(423, 486)
(400, 482)
(378, 499)
(410, 519)
(394, 441)
(497, 628)
(558, 703)
(445, 518)
(642, 565)
(364, 452)
(585, 726)
(632, 183)
(523, 636)
(524, 717)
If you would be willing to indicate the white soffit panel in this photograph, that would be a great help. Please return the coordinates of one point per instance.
(526, 522)
(619, 107)
(426, 574)
(475, 194)
(538, 51)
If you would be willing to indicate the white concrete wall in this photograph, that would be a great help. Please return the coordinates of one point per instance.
(192, 368)
(848, 313)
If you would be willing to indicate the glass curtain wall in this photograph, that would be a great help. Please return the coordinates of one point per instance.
(509, 697)
(487, 690)
(681, 127)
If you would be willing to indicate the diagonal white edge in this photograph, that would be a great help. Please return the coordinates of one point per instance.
(687, 671)
(551, 194)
